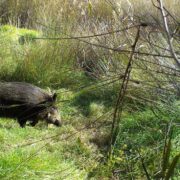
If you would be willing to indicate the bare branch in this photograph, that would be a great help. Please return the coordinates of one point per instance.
(165, 23)
(121, 95)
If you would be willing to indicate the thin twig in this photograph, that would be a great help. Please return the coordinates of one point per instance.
(122, 92)
(165, 23)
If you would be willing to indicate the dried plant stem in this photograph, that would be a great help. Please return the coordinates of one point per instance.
(121, 95)
(165, 23)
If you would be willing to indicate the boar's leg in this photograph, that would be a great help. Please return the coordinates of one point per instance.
(22, 122)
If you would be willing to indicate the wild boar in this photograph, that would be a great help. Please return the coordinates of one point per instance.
(26, 102)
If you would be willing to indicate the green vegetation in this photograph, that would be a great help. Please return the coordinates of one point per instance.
(82, 50)
(50, 161)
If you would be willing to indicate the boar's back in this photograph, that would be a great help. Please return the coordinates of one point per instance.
(19, 92)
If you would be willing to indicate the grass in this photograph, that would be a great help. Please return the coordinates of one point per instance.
(141, 132)
(42, 63)
(50, 159)
(72, 154)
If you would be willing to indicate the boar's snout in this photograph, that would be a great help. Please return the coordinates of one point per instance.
(58, 123)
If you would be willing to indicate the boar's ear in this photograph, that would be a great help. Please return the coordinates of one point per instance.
(54, 97)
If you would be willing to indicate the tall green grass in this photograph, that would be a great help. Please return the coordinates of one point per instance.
(46, 63)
